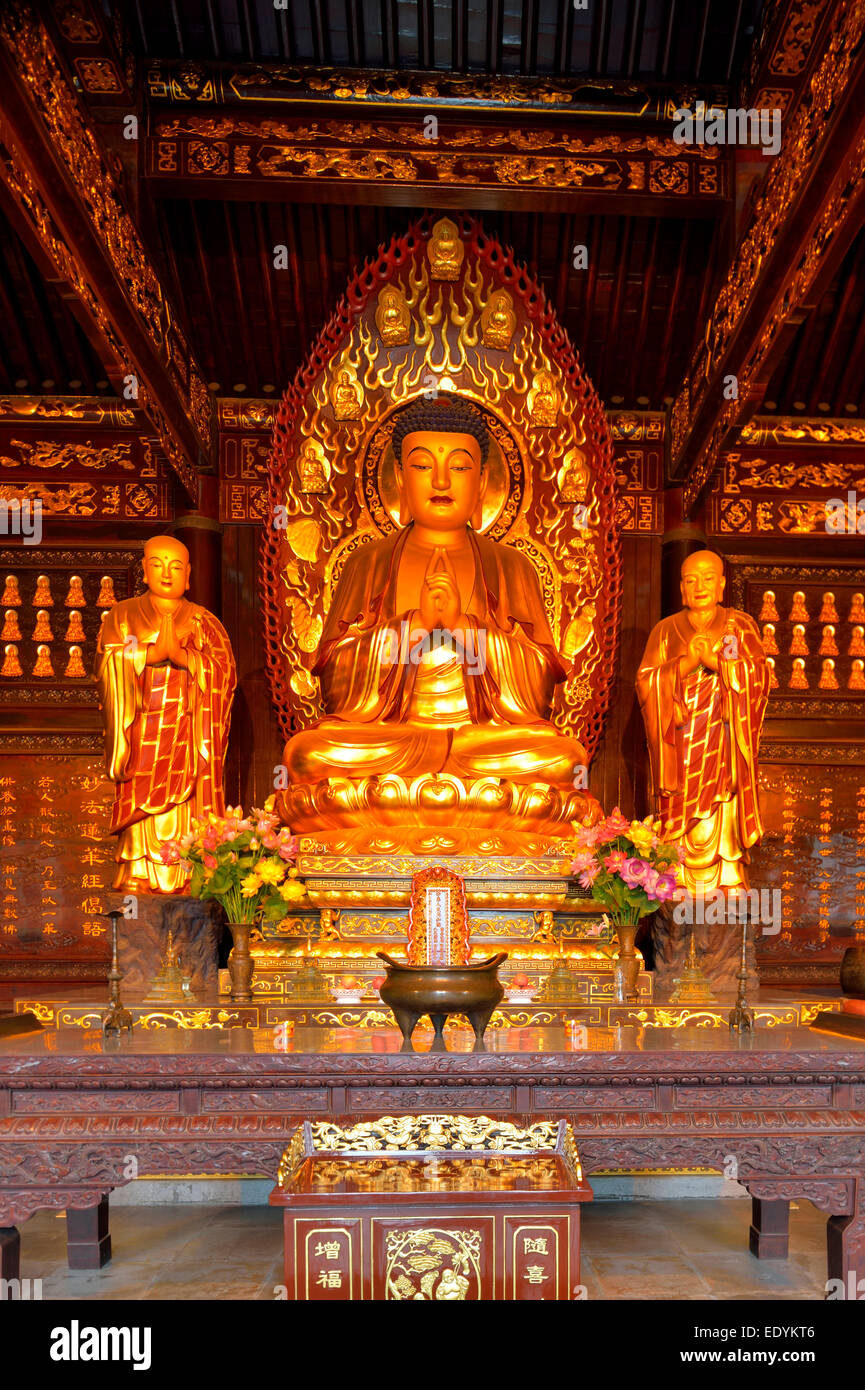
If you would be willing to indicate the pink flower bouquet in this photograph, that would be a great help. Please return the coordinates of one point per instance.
(627, 867)
(244, 863)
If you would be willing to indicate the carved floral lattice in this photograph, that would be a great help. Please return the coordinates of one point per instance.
(553, 492)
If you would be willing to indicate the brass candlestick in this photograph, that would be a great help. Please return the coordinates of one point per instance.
(118, 1019)
(742, 1016)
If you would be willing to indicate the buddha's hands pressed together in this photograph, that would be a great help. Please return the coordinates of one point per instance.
(440, 602)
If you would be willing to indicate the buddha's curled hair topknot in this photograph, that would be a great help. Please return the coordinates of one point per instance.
(445, 413)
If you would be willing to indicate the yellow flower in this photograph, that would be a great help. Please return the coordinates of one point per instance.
(292, 891)
(250, 885)
(270, 871)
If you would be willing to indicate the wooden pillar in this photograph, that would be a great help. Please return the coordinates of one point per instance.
(10, 1254)
(770, 1228)
(682, 536)
(88, 1243)
(201, 533)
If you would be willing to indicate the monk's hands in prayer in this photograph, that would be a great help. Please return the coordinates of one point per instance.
(440, 601)
(167, 646)
(699, 653)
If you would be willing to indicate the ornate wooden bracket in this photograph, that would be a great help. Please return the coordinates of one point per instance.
(808, 209)
(66, 200)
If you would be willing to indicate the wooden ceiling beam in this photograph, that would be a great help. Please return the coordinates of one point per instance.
(807, 210)
(231, 154)
(67, 203)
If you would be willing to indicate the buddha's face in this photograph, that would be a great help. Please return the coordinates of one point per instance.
(702, 583)
(166, 567)
(441, 478)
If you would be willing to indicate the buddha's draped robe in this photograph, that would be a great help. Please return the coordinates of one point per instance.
(166, 731)
(476, 712)
(703, 732)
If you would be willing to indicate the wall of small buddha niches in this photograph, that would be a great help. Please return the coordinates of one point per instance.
(811, 616)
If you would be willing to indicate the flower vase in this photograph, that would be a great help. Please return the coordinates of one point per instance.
(627, 964)
(240, 963)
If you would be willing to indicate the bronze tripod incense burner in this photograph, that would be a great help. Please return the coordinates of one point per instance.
(410, 991)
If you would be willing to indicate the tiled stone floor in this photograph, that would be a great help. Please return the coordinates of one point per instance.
(690, 1249)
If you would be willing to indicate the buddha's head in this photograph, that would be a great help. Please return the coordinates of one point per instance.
(702, 585)
(440, 447)
(166, 567)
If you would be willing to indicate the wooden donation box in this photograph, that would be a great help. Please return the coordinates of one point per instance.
(445, 1207)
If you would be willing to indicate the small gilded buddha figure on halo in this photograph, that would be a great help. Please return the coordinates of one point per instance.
(398, 697)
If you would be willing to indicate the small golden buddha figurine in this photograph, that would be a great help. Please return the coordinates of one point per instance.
(75, 598)
(313, 469)
(828, 646)
(498, 321)
(769, 613)
(857, 642)
(42, 631)
(829, 613)
(574, 477)
(828, 680)
(11, 593)
(799, 613)
(857, 676)
(445, 250)
(392, 318)
(857, 609)
(42, 597)
(543, 400)
(345, 396)
(436, 661)
(166, 675)
(43, 666)
(11, 663)
(11, 631)
(106, 597)
(75, 628)
(798, 645)
(773, 679)
(75, 665)
(770, 646)
(798, 678)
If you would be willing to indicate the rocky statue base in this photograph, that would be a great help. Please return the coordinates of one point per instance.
(196, 928)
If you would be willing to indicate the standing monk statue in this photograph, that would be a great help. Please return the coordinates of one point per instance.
(703, 684)
(166, 676)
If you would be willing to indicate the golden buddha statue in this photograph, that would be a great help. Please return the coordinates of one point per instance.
(345, 396)
(313, 469)
(166, 676)
(498, 321)
(438, 670)
(543, 400)
(445, 250)
(392, 317)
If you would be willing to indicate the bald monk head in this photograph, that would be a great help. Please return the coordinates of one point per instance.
(702, 582)
(166, 567)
